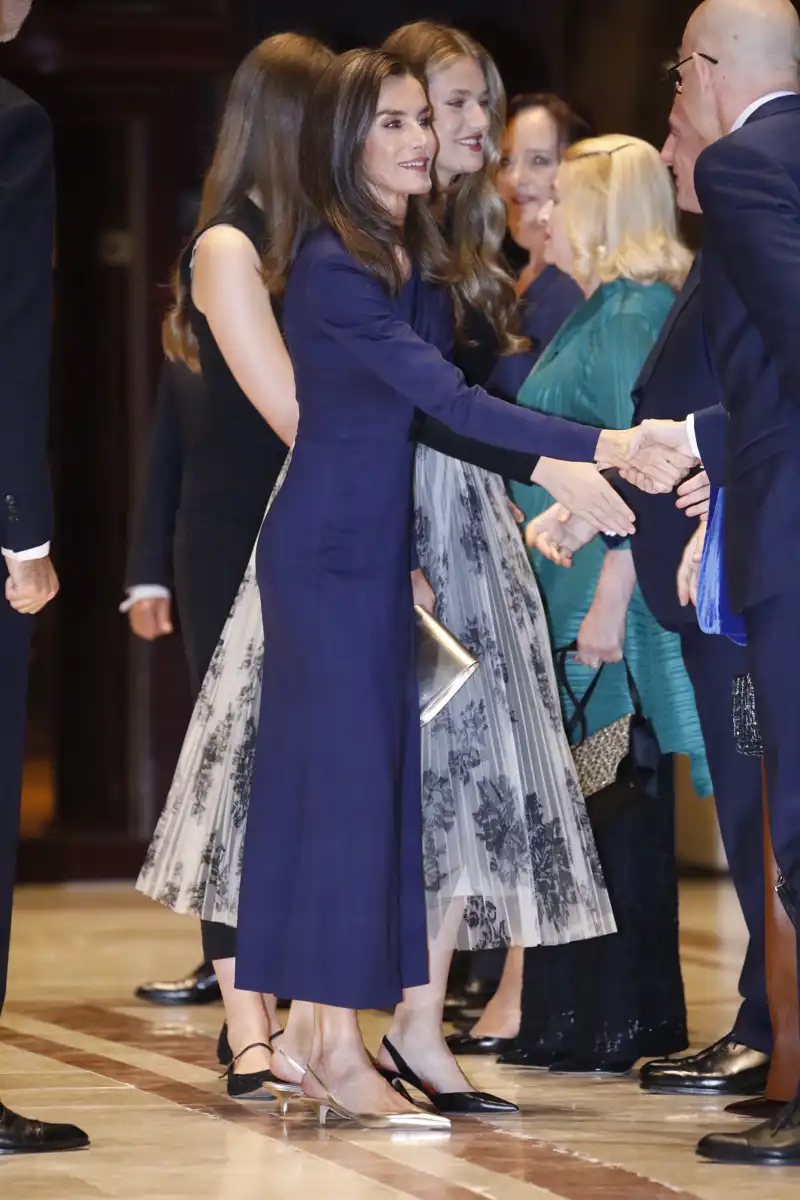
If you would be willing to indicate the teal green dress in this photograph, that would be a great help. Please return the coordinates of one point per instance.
(587, 374)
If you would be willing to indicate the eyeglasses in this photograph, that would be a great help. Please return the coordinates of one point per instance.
(674, 71)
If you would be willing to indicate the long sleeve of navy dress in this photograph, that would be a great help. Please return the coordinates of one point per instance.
(331, 904)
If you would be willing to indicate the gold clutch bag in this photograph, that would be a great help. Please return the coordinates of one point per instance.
(443, 665)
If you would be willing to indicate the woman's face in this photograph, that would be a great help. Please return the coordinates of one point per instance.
(527, 172)
(400, 146)
(558, 248)
(461, 117)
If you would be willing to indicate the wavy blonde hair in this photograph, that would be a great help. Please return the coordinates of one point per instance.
(620, 215)
(473, 211)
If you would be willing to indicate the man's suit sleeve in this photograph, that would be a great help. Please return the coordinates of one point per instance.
(27, 219)
(711, 435)
(752, 209)
(150, 554)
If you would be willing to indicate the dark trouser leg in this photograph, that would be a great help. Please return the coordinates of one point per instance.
(773, 636)
(15, 636)
(784, 1071)
(712, 662)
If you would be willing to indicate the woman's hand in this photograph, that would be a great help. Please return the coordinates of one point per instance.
(689, 569)
(517, 513)
(601, 637)
(582, 490)
(694, 495)
(557, 534)
(423, 592)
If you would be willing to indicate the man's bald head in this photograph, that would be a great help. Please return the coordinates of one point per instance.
(756, 48)
(753, 36)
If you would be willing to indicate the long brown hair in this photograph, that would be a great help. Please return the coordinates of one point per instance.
(257, 150)
(338, 119)
(474, 212)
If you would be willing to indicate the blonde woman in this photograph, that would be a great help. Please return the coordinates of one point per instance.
(508, 855)
(612, 226)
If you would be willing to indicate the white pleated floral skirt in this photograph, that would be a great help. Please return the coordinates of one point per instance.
(509, 856)
(507, 844)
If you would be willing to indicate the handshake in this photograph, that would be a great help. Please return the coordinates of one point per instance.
(655, 457)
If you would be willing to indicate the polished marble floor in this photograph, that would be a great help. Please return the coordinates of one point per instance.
(75, 1045)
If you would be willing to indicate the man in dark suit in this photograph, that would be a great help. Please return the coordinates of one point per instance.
(149, 578)
(678, 377)
(27, 211)
(740, 62)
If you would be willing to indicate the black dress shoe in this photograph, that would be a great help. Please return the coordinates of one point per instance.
(18, 1135)
(465, 1043)
(518, 1056)
(201, 987)
(725, 1069)
(775, 1143)
(450, 1104)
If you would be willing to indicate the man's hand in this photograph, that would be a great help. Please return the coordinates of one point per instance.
(423, 592)
(151, 618)
(582, 490)
(557, 534)
(31, 584)
(689, 569)
(694, 495)
(654, 456)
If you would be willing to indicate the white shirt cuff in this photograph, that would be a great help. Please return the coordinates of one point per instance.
(144, 591)
(691, 437)
(28, 555)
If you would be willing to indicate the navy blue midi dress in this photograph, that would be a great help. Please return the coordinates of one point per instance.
(331, 905)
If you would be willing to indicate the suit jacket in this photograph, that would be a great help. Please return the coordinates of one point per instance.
(677, 378)
(27, 217)
(179, 395)
(749, 187)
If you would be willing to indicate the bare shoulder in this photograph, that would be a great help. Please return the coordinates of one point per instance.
(225, 244)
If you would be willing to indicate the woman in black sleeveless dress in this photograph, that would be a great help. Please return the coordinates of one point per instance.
(232, 460)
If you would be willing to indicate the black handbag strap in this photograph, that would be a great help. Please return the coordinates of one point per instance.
(579, 706)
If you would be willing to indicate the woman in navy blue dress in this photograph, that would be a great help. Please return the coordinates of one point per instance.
(334, 827)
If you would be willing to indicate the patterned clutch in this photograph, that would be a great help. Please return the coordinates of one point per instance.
(443, 665)
(597, 756)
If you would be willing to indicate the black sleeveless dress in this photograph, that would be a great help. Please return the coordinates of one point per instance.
(232, 462)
